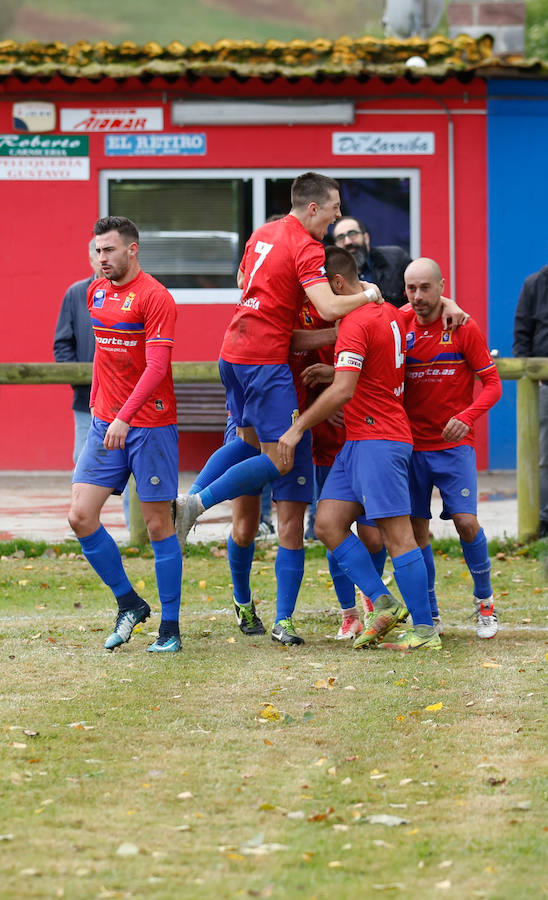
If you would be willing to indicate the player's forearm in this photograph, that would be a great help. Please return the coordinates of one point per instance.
(340, 305)
(331, 400)
(491, 392)
(157, 363)
(311, 339)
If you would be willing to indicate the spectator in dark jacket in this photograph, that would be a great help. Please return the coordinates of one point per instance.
(383, 266)
(74, 341)
(531, 339)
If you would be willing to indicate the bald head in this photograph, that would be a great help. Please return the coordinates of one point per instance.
(424, 288)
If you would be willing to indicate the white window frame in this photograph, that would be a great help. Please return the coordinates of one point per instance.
(208, 296)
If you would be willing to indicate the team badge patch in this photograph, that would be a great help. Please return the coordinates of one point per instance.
(410, 339)
(99, 299)
(128, 301)
(159, 404)
(446, 337)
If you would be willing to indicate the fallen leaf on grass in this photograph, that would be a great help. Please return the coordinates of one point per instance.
(489, 664)
(375, 775)
(140, 586)
(393, 886)
(325, 684)
(443, 885)
(445, 864)
(321, 817)
(334, 864)
(6, 837)
(434, 707)
(321, 761)
(269, 713)
(127, 850)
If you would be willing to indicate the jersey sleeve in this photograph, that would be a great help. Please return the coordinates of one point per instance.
(310, 265)
(351, 346)
(478, 357)
(159, 319)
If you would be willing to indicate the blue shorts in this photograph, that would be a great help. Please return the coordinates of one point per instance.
(373, 473)
(263, 397)
(320, 477)
(453, 472)
(297, 485)
(151, 454)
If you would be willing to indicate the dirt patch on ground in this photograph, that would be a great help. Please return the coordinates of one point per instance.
(33, 24)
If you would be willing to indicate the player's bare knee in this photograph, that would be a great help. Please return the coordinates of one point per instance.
(79, 520)
(467, 527)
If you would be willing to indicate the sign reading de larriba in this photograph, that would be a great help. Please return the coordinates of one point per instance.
(108, 120)
(383, 143)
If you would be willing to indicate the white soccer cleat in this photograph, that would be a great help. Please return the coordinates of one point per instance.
(486, 618)
(187, 509)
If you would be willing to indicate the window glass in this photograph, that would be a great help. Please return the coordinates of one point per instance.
(192, 231)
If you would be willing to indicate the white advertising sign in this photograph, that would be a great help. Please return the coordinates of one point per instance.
(34, 116)
(383, 143)
(106, 121)
(51, 168)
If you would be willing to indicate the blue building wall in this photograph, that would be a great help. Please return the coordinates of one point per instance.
(517, 135)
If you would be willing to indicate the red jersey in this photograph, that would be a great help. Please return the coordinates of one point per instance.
(125, 319)
(280, 260)
(440, 371)
(371, 340)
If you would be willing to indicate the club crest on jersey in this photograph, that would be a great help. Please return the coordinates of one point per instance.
(446, 337)
(410, 339)
(128, 301)
(99, 298)
(159, 404)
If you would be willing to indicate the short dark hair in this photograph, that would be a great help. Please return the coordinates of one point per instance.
(312, 188)
(339, 261)
(363, 228)
(125, 227)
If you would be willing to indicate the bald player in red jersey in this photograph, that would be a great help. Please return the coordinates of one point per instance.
(370, 473)
(133, 430)
(440, 374)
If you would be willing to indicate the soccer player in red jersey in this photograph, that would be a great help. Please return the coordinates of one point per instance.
(371, 472)
(283, 263)
(134, 429)
(440, 371)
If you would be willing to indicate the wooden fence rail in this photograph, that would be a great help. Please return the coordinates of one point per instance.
(527, 372)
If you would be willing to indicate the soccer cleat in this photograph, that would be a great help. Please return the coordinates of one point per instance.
(187, 509)
(248, 620)
(414, 640)
(266, 529)
(350, 628)
(387, 612)
(438, 625)
(166, 642)
(486, 618)
(126, 620)
(284, 632)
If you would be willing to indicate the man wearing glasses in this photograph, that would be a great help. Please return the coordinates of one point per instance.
(382, 265)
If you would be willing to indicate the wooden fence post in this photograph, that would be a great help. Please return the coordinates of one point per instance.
(527, 459)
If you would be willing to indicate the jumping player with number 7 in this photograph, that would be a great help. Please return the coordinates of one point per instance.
(370, 474)
(283, 263)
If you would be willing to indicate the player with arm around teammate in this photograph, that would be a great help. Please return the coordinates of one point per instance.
(370, 473)
(440, 371)
(283, 263)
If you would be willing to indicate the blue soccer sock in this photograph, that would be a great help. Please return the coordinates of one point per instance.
(243, 478)
(428, 557)
(355, 562)
(289, 568)
(412, 580)
(476, 555)
(101, 552)
(344, 588)
(378, 559)
(169, 568)
(222, 459)
(239, 560)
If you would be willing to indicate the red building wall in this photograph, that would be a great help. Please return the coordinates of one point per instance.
(45, 228)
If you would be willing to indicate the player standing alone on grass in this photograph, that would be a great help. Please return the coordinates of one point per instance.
(440, 371)
(133, 429)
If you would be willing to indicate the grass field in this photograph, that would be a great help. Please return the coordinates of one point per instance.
(242, 769)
